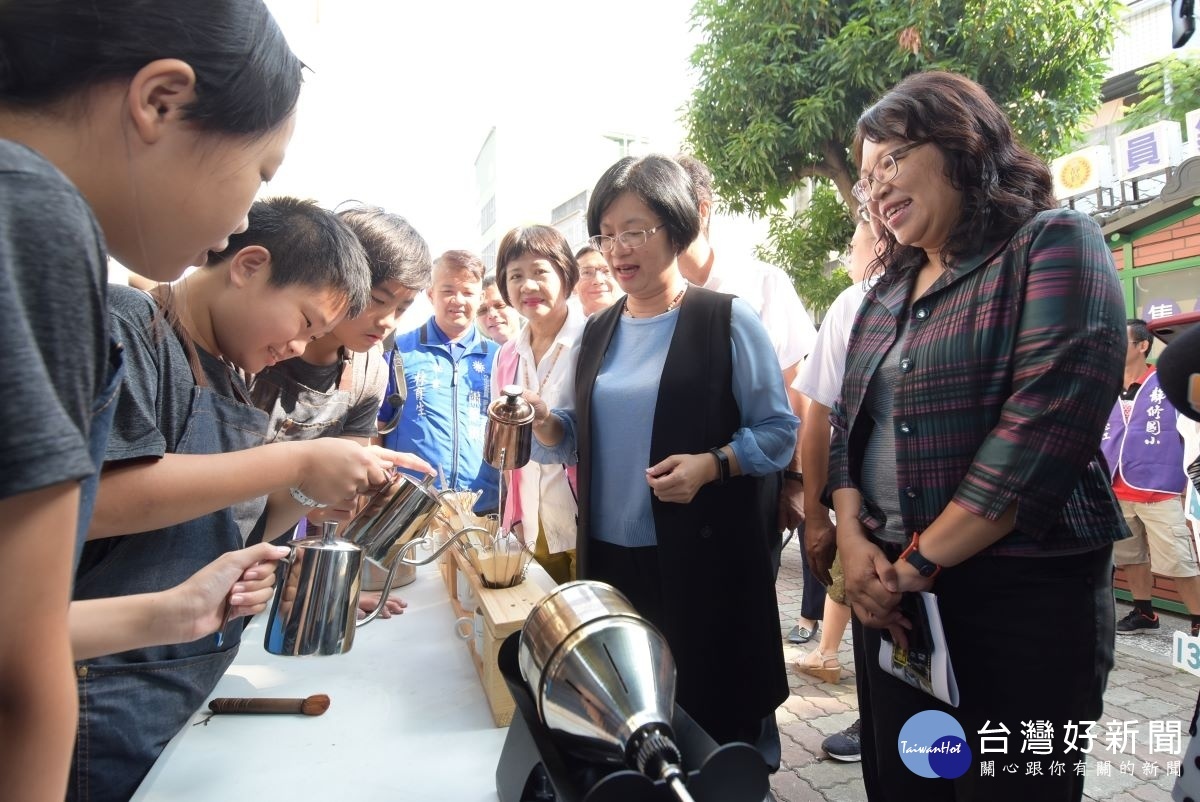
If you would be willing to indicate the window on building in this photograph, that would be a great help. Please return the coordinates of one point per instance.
(489, 256)
(1166, 293)
(577, 204)
(487, 215)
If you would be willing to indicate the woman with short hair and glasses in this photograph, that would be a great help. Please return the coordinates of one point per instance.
(965, 456)
(680, 427)
(596, 289)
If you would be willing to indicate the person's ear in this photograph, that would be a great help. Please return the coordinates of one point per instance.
(705, 209)
(251, 262)
(157, 95)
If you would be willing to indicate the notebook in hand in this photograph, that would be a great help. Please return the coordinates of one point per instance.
(925, 664)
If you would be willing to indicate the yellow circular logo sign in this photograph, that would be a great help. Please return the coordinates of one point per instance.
(1075, 172)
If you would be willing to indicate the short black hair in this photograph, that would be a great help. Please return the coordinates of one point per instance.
(395, 251)
(247, 77)
(702, 181)
(660, 183)
(543, 242)
(1140, 332)
(309, 246)
(702, 177)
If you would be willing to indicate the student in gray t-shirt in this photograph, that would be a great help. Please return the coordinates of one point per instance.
(127, 137)
(186, 474)
(335, 388)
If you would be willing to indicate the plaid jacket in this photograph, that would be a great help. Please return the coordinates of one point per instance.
(1012, 363)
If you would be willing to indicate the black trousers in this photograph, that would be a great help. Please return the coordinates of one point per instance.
(635, 572)
(1030, 639)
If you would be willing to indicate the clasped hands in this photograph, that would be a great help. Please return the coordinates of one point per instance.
(874, 583)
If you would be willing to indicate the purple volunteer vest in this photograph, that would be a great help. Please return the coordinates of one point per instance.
(1149, 450)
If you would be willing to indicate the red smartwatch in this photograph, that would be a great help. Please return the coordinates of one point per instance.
(913, 557)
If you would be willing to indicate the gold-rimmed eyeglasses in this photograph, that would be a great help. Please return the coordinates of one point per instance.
(592, 273)
(628, 239)
(884, 172)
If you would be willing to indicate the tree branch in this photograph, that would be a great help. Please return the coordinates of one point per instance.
(839, 169)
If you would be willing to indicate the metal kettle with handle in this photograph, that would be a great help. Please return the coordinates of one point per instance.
(396, 515)
(315, 607)
(509, 434)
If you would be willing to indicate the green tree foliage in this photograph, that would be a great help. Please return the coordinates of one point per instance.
(799, 244)
(1169, 89)
(781, 84)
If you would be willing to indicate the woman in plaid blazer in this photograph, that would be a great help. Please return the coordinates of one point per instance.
(965, 457)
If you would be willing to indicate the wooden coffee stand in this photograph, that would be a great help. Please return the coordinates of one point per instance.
(504, 611)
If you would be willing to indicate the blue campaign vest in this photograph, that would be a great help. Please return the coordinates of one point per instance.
(446, 408)
(1148, 451)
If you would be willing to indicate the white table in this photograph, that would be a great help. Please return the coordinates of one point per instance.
(407, 720)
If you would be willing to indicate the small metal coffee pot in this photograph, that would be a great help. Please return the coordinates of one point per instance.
(509, 433)
(315, 607)
(397, 514)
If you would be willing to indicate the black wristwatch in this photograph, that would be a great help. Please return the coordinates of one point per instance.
(722, 464)
(925, 568)
(795, 476)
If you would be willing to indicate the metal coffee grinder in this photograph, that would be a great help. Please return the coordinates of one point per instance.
(594, 686)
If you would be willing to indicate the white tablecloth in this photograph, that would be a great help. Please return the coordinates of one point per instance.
(407, 721)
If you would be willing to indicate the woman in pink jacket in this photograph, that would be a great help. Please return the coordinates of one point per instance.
(536, 272)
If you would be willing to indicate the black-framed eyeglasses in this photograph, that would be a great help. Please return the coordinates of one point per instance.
(884, 172)
(628, 239)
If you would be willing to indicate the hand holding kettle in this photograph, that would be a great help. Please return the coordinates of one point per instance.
(340, 512)
(235, 584)
(401, 459)
(333, 469)
(547, 428)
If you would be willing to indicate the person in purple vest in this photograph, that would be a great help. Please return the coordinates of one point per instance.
(1145, 454)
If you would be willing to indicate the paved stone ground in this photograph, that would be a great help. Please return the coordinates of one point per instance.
(1143, 687)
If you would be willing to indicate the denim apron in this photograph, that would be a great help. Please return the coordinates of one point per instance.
(131, 704)
(102, 411)
(299, 412)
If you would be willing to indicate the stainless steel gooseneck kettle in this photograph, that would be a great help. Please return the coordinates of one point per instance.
(315, 607)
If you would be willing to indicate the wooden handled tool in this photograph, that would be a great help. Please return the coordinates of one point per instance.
(314, 705)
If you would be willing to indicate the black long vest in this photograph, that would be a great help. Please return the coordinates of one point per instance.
(720, 615)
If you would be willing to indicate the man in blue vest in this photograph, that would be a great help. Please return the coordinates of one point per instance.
(448, 376)
(1145, 454)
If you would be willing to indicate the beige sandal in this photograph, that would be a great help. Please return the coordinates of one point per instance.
(824, 667)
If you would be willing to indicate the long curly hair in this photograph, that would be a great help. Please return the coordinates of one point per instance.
(1003, 184)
